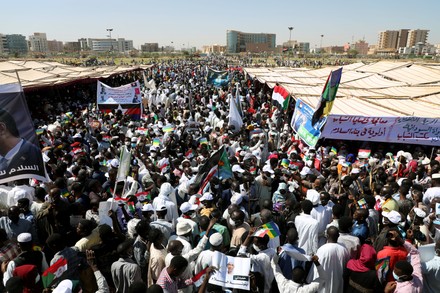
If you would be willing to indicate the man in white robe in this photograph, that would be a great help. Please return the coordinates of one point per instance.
(166, 190)
(307, 228)
(333, 258)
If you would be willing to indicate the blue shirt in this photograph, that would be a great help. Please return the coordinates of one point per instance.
(286, 263)
(360, 230)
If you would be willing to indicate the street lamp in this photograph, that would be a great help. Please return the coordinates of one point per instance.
(290, 39)
(321, 43)
(110, 38)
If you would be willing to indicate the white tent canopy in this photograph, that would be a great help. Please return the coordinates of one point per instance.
(383, 88)
(34, 74)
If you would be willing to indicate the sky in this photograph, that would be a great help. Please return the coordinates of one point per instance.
(196, 23)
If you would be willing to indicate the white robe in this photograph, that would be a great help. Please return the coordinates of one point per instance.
(307, 228)
(323, 214)
(333, 258)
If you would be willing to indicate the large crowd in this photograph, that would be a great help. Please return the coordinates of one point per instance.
(349, 220)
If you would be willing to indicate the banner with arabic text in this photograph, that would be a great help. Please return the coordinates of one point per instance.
(411, 130)
(124, 94)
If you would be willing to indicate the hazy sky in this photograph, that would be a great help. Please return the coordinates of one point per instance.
(198, 23)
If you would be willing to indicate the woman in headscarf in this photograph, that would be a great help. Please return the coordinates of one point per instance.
(361, 274)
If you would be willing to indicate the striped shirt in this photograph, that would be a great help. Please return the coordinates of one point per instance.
(170, 285)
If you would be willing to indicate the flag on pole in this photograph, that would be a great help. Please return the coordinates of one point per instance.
(189, 154)
(382, 269)
(220, 160)
(211, 173)
(282, 96)
(260, 233)
(272, 229)
(131, 207)
(234, 115)
(328, 95)
(362, 203)
(364, 153)
(54, 272)
(203, 140)
(168, 128)
(198, 279)
(156, 142)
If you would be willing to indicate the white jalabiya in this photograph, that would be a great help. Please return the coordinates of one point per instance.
(333, 258)
(307, 228)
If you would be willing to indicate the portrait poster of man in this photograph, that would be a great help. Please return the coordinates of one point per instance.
(20, 155)
(232, 272)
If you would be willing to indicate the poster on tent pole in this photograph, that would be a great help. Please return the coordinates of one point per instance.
(20, 154)
(302, 123)
(126, 98)
(411, 130)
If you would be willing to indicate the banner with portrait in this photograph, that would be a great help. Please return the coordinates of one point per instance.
(217, 78)
(20, 154)
(126, 98)
(302, 123)
(124, 94)
(232, 272)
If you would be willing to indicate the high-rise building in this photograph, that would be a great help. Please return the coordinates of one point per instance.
(213, 49)
(303, 47)
(124, 45)
(102, 45)
(361, 47)
(150, 47)
(3, 44)
(403, 38)
(417, 36)
(55, 46)
(388, 39)
(16, 44)
(237, 42)
(106, 45)
(72, 46)
(38, 43)
(83, 44)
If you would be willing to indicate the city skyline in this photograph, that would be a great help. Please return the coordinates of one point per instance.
(193, 24)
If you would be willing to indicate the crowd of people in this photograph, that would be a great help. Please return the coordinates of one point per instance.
(349, 221)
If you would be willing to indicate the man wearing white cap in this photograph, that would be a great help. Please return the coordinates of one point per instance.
(433, 191)
(390, 220)
(147, 212)
(188, 215)
(175, 247)
(357, 185)
(183, 234)
(263, 185)
(323, 214)
(27, 257)
(207, 201)
(205, 258)
(162, 224)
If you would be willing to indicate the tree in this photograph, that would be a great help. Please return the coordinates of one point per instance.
(352, 53)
